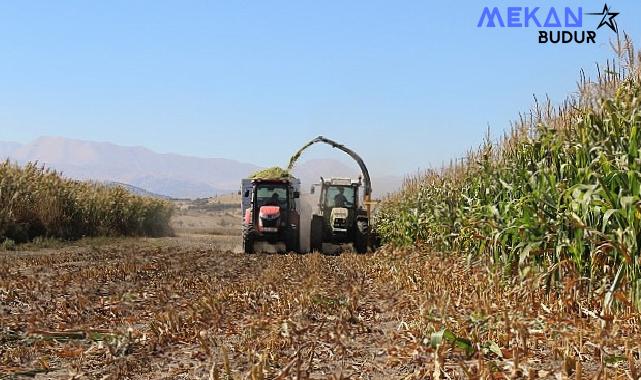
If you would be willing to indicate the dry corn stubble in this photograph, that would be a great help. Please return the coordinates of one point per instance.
(163, 309)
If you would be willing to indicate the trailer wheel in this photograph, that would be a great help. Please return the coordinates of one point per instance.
(293, 241)
(316, 234)
(248, 239)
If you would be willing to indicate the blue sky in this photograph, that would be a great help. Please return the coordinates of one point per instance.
(408, 84)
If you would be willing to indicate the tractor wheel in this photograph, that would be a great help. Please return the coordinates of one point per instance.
(293, 241)
(374, 240)
(248, 239)
(316, 234)
(362, 236)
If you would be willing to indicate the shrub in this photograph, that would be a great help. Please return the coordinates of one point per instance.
(8, 245)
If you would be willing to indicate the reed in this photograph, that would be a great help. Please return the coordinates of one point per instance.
(38, 202)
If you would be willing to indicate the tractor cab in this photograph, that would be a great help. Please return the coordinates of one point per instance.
(339, 218)
(339, 200)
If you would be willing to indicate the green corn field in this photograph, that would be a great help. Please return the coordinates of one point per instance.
(38, 202)
(558, 196)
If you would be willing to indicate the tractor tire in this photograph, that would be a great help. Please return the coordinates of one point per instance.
(374, 240)
(293, 241)
(316, 234)
(248, 239)
(362, 236)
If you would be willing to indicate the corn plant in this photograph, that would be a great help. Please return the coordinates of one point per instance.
(560, 191)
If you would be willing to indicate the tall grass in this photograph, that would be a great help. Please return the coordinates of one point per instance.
(560, 192)
(38, 202)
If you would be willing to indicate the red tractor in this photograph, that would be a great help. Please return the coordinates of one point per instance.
(270, 209)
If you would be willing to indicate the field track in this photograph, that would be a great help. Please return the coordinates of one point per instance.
(185, 308)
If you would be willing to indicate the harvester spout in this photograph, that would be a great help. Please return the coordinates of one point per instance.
(367, 183)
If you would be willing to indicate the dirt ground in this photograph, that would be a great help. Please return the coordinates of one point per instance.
(195, 307)
(208, 216)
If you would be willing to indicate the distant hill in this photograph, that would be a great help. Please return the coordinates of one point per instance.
(136, 190)
(7, 148)
(170, 175)
(310, 172)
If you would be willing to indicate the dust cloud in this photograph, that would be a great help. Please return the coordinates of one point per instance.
(308, 204)
(265, 247)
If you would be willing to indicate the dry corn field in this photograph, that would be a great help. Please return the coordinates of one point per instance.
(180, 308)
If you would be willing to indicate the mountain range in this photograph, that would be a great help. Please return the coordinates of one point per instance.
(167, 174)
